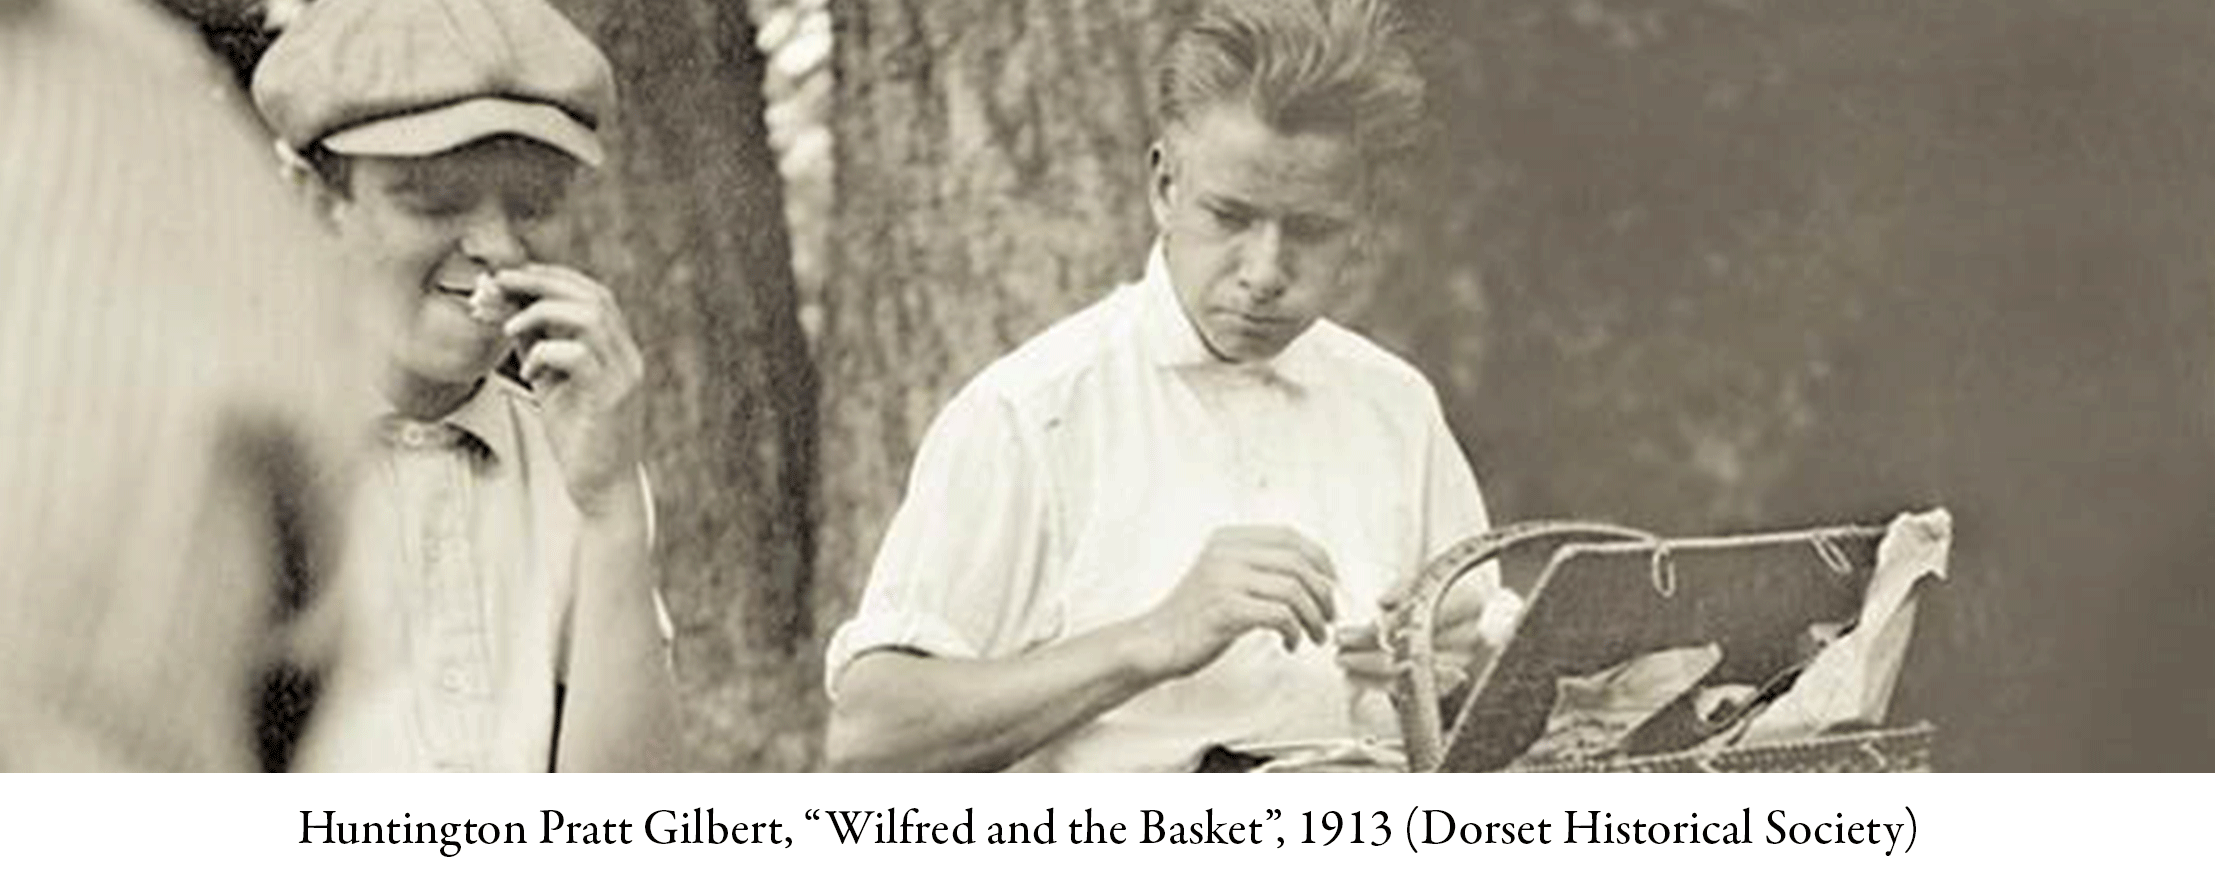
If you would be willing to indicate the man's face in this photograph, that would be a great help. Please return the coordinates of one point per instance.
(433, 224)
(1257, 225)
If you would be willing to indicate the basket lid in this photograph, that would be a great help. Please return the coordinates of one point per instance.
(1597, 604)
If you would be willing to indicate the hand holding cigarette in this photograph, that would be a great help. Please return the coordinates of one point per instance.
(580, 359)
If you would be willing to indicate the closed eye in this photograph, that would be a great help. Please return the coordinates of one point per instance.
(1229, 216)
(536, 207)
(1311, 228)
(437, 204)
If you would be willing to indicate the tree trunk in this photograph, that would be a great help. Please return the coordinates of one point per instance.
(686, 224)
(991, 173)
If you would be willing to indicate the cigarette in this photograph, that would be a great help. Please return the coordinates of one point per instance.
(487, 304)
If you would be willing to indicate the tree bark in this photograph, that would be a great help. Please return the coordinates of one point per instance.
(991, 175)
(686, 225)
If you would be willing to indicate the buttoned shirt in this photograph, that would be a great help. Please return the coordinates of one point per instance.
(1071, 485)
(456, 598)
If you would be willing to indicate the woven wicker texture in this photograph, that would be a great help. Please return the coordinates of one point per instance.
(1906, 749)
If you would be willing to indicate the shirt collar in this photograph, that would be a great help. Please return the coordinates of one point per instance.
(485, 416)
(1173, 342)
(483, 419)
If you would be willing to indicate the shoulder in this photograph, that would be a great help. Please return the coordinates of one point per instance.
(1039, 378)
(1370, 370)
(1072, 346)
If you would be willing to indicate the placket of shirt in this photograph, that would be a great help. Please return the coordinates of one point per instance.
(1269, 448)
(450, 615)
(1255, 420)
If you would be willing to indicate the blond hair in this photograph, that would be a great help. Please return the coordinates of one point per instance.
(1301, 65)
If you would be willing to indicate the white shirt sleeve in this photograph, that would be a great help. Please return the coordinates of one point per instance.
(1453, 506)
(961, 572)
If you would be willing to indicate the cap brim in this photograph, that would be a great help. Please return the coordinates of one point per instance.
(445, 128)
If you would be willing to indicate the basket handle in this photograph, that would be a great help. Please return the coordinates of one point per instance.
(1407, 632)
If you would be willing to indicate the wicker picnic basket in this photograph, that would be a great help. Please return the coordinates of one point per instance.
(1604, 594)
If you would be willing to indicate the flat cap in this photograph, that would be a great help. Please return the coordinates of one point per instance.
(410, 78)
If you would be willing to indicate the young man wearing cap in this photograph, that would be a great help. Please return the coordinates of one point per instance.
(1176, 506)
(498, 611)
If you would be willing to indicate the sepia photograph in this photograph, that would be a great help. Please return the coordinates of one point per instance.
(1236, 386)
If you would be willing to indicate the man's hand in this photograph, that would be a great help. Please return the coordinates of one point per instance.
(620, 710)
(1474, 620)
(1246, 579)
(580, 359)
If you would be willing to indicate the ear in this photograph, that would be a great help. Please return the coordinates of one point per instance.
(302, 180)
(1160, 177)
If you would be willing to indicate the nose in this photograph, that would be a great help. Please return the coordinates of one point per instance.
(1262, 271)
(495, 240)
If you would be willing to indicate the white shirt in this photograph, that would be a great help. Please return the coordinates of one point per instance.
(1072, 483)
(455, 599)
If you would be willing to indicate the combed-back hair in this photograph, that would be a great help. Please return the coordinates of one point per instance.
(1302, 66)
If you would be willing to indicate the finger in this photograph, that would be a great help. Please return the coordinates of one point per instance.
(1462, 608)
(1450, 677)
(556, 359)
(1291, 593)
(1356, 637)
(1258, 613)
(1309, 552)
(1271, 537)
(559, 319)
(542, 281)
(608, 328)
(1461, 637)
(535, 283)
(1373, 667)
(1462, 601)
(1314, 591)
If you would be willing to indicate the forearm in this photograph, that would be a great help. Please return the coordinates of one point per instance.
(903, 712)
(620, 709)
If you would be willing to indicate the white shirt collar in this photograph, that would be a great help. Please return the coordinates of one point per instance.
(1172, 341)
(483, 417)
